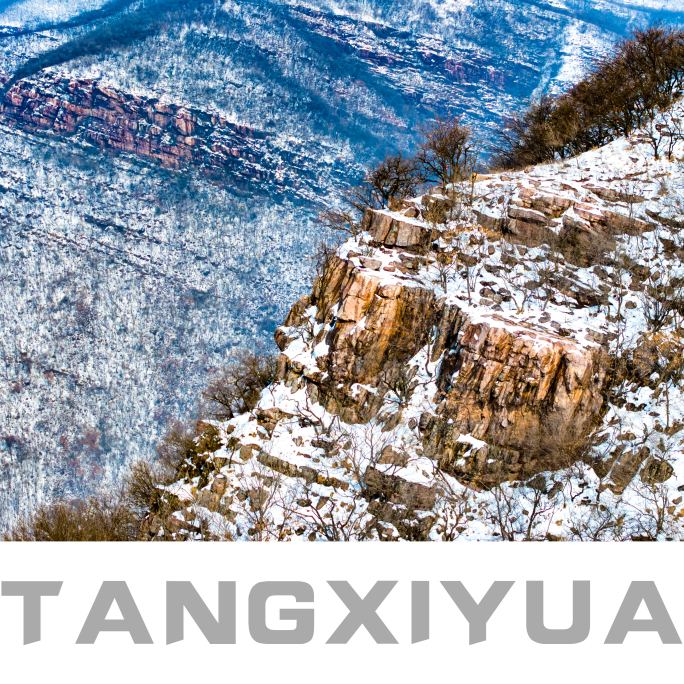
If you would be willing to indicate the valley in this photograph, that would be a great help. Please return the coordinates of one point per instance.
(161, 169)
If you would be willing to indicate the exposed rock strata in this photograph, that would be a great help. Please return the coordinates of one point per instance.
(172, 135)
(527, 394)
(582, 229)
(512, 387)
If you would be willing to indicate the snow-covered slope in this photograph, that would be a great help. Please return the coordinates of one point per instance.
(124, 285)
(514, 372)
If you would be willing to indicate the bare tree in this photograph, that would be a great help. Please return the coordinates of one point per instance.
(237, 388)
(329, 518)
(322, 257)
(662, 300)
(341, 221)
(445, 269)
(260, 495)
(393, 180)
(400, 382)
(448, 154)
(385, 186)
(454, 504)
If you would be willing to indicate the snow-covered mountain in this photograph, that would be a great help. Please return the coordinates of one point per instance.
(161, 166)
(512, 371)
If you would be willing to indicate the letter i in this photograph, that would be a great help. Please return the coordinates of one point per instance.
(420, 611)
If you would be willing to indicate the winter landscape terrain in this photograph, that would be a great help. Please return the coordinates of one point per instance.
(161, 167)
(435, 381)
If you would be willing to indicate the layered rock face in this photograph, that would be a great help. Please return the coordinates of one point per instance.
(514, 388)
(169, 134)
(371, 325)
(528, 395)
(584, 225)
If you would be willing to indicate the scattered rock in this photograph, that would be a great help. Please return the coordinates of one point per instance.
(397, 490)
(390, 456)
(656, 471)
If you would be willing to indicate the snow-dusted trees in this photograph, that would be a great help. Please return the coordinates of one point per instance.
(237, 387)
(448, 153)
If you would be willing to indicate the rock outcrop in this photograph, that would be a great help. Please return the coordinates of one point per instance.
(172, 135)
(506, 384)
(488, 362)
(532, 397)
(583, 226)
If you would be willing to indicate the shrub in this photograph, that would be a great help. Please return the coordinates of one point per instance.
(177, 445)
(625, 91)
(237, 388)
(96, 519)
(142, 482)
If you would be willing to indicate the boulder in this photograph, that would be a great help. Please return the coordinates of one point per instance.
(397, 490)
(385, 229)
(656, 471)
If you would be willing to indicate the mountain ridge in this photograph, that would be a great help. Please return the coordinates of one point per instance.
(129, 283)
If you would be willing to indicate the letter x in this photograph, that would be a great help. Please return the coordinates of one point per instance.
(362, 612)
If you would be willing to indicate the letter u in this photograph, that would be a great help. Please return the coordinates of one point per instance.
(576, 633)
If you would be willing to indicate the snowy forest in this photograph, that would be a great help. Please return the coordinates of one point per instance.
(131, 274)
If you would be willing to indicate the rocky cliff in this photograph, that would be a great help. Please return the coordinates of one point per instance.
(500, 359)
(172, 135)
(119, 145)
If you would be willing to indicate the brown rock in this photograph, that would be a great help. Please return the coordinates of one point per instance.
(269, 418)
(395, 325)
(488, 222)
(184, 126)
(624, 468)
(293, 320)
(390, 456)
(525, 393)
(514, 388)
(584, 243)
(552, 206)
(656, 471)
(388, 231)
(619, 224)
(357, 296)
(114, 120)
(372, 264)
(257, 498)
(527, 215)
(399, 491)
(219, 485)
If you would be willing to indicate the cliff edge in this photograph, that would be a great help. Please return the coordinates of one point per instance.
(500, 359)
